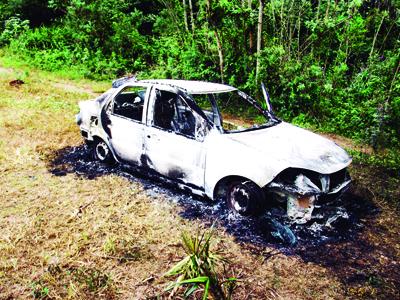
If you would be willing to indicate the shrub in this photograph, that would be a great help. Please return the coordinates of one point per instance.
(13, 28)
(199, 267)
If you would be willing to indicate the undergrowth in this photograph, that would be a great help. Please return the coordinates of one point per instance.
(388, 159)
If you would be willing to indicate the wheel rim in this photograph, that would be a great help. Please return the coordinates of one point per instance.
(102, 151)
(239, 198)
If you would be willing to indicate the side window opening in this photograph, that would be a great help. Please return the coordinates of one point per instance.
(172, 113)
(184, 119)
(164, 109)
(129, 103)
(208, 105)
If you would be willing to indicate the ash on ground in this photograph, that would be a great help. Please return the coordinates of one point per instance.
(340, 219)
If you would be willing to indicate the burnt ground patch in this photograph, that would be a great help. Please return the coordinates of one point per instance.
(337, 220)
(78, 160)
(345, 235)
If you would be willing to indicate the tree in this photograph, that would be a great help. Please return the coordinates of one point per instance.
(259, 36)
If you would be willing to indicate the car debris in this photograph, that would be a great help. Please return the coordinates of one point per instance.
(190, 132)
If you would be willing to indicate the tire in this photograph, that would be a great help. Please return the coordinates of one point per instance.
(245, 198)
(102, 153)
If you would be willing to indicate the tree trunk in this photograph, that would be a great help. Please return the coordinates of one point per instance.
(219, 43)
(317, 18)
(376, 35)
(281, 16)
(185, 17)
(318, 7)
(220, 54)
(298, 32)
(327, 9)
(191, 15)
(251, 42)
(259, 36)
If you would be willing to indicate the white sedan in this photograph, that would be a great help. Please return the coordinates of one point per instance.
(216, 141)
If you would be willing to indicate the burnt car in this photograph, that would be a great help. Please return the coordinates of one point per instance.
(215, 141)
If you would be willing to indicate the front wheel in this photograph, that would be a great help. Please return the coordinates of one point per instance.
(102, 152)
(246, 198)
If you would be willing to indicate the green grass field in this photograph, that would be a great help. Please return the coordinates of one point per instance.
(69, 237)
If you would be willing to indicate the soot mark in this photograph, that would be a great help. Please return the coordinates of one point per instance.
(176, 174)
(78, 160)
(334, 238)
(145, 161)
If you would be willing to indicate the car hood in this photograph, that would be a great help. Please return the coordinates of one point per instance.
(288, 146)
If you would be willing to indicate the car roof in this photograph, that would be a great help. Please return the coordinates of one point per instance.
(193, 86)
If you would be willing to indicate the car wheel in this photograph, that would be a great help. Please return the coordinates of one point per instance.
(246, 198)
(102, 152)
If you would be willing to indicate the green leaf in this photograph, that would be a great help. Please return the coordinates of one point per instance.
(178, 267)
(200, 279)
(191, 290)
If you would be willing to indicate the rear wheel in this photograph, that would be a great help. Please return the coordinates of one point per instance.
(102, 152)
(246, 198)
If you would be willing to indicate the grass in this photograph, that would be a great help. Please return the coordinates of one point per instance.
(72, 237)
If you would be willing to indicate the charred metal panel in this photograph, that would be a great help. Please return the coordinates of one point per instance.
(287, 146)
(175, 155)
(127, 138)
(225, 157)
(88, 109)
(171, 152)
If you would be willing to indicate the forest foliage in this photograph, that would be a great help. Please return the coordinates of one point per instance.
(329, 64)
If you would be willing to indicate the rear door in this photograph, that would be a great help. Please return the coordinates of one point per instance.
(174, 137)
(126, 122)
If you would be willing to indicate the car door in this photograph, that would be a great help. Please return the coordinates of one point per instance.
(126, 122)
(174, 138)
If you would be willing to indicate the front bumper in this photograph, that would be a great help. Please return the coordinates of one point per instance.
(302, 191)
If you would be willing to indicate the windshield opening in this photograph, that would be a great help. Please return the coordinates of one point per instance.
(233, 111)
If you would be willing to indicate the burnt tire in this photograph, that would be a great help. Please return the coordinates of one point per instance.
(102, 153)
(245, 198)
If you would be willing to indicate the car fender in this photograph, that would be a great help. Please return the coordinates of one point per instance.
(90, 122)
(87, 109)
(226, 157)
